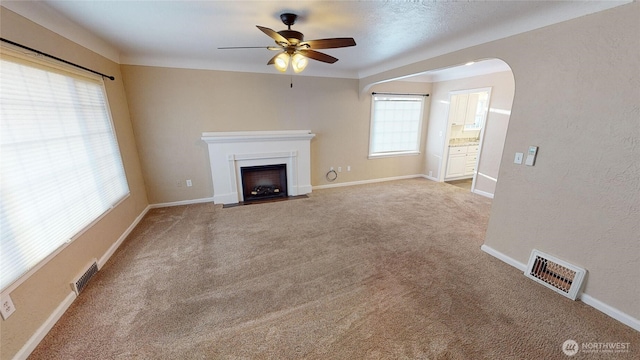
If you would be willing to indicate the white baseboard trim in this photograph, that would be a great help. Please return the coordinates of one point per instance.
(112, 249)
(362, 182)
(430, 178)
(483, 193)
(43, 330)
(611, 311)
(585, 298)
(304, 189)
(511, 261)
(183, 202)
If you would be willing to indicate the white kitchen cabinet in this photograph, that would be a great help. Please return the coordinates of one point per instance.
(461, 162)
(464, 109)
(471, 158)
(458, 109)
(470, 117)
(468, 110)
(456, 165)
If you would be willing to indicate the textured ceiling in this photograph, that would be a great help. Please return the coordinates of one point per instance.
(388, 33)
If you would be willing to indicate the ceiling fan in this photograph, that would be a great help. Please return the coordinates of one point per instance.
(293, 47)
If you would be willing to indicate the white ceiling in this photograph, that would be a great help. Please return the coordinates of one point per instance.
(388, 34)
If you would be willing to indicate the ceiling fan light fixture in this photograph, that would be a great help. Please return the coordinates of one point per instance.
(298, 62)
(281, 62)
(294, 49)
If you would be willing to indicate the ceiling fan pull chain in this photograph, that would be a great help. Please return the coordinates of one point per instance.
(291, 86)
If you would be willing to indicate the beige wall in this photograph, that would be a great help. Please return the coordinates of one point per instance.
(502, 91)
(577, 86)
(577, 91)
(37, 298)
(171, 108)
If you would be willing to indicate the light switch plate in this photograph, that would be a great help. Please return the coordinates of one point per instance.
(518, 158)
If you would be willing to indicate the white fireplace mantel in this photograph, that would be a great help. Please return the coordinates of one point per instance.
(230, 151)
(252, 136)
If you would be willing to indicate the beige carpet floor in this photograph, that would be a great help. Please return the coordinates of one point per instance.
(382, 271)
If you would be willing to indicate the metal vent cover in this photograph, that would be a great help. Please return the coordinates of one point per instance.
(81, 281)
(558, 275)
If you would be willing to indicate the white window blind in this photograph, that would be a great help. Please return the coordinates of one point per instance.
(396, 121)
(60, 166)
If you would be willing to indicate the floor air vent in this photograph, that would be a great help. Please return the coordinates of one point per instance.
(83, 279)
(555, 274)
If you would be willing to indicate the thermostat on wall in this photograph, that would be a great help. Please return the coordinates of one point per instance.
(531, 156)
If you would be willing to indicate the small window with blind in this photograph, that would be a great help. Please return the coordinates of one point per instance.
(396, 123)
(60, 164)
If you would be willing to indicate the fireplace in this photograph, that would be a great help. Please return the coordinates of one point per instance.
(230, 152)
(264, 182)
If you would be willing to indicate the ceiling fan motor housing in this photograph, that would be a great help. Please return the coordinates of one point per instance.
(294, 37)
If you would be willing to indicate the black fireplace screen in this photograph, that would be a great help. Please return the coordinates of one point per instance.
(264, 182)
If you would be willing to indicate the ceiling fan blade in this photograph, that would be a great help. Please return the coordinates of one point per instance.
(316, 55)
(274, 35)
(250, 47)
(330, 43)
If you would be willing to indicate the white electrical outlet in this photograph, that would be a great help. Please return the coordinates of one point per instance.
(189, 183)
(339, 168)
(349, 168)
(6, 306)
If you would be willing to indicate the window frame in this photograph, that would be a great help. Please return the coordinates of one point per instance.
(66, 70)
(406, 152)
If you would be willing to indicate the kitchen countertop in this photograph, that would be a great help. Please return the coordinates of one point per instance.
(463, 143)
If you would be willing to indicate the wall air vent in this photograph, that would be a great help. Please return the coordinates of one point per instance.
(555, 274)
(81, 281)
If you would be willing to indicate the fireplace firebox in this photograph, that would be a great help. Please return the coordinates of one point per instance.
(264, 182)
